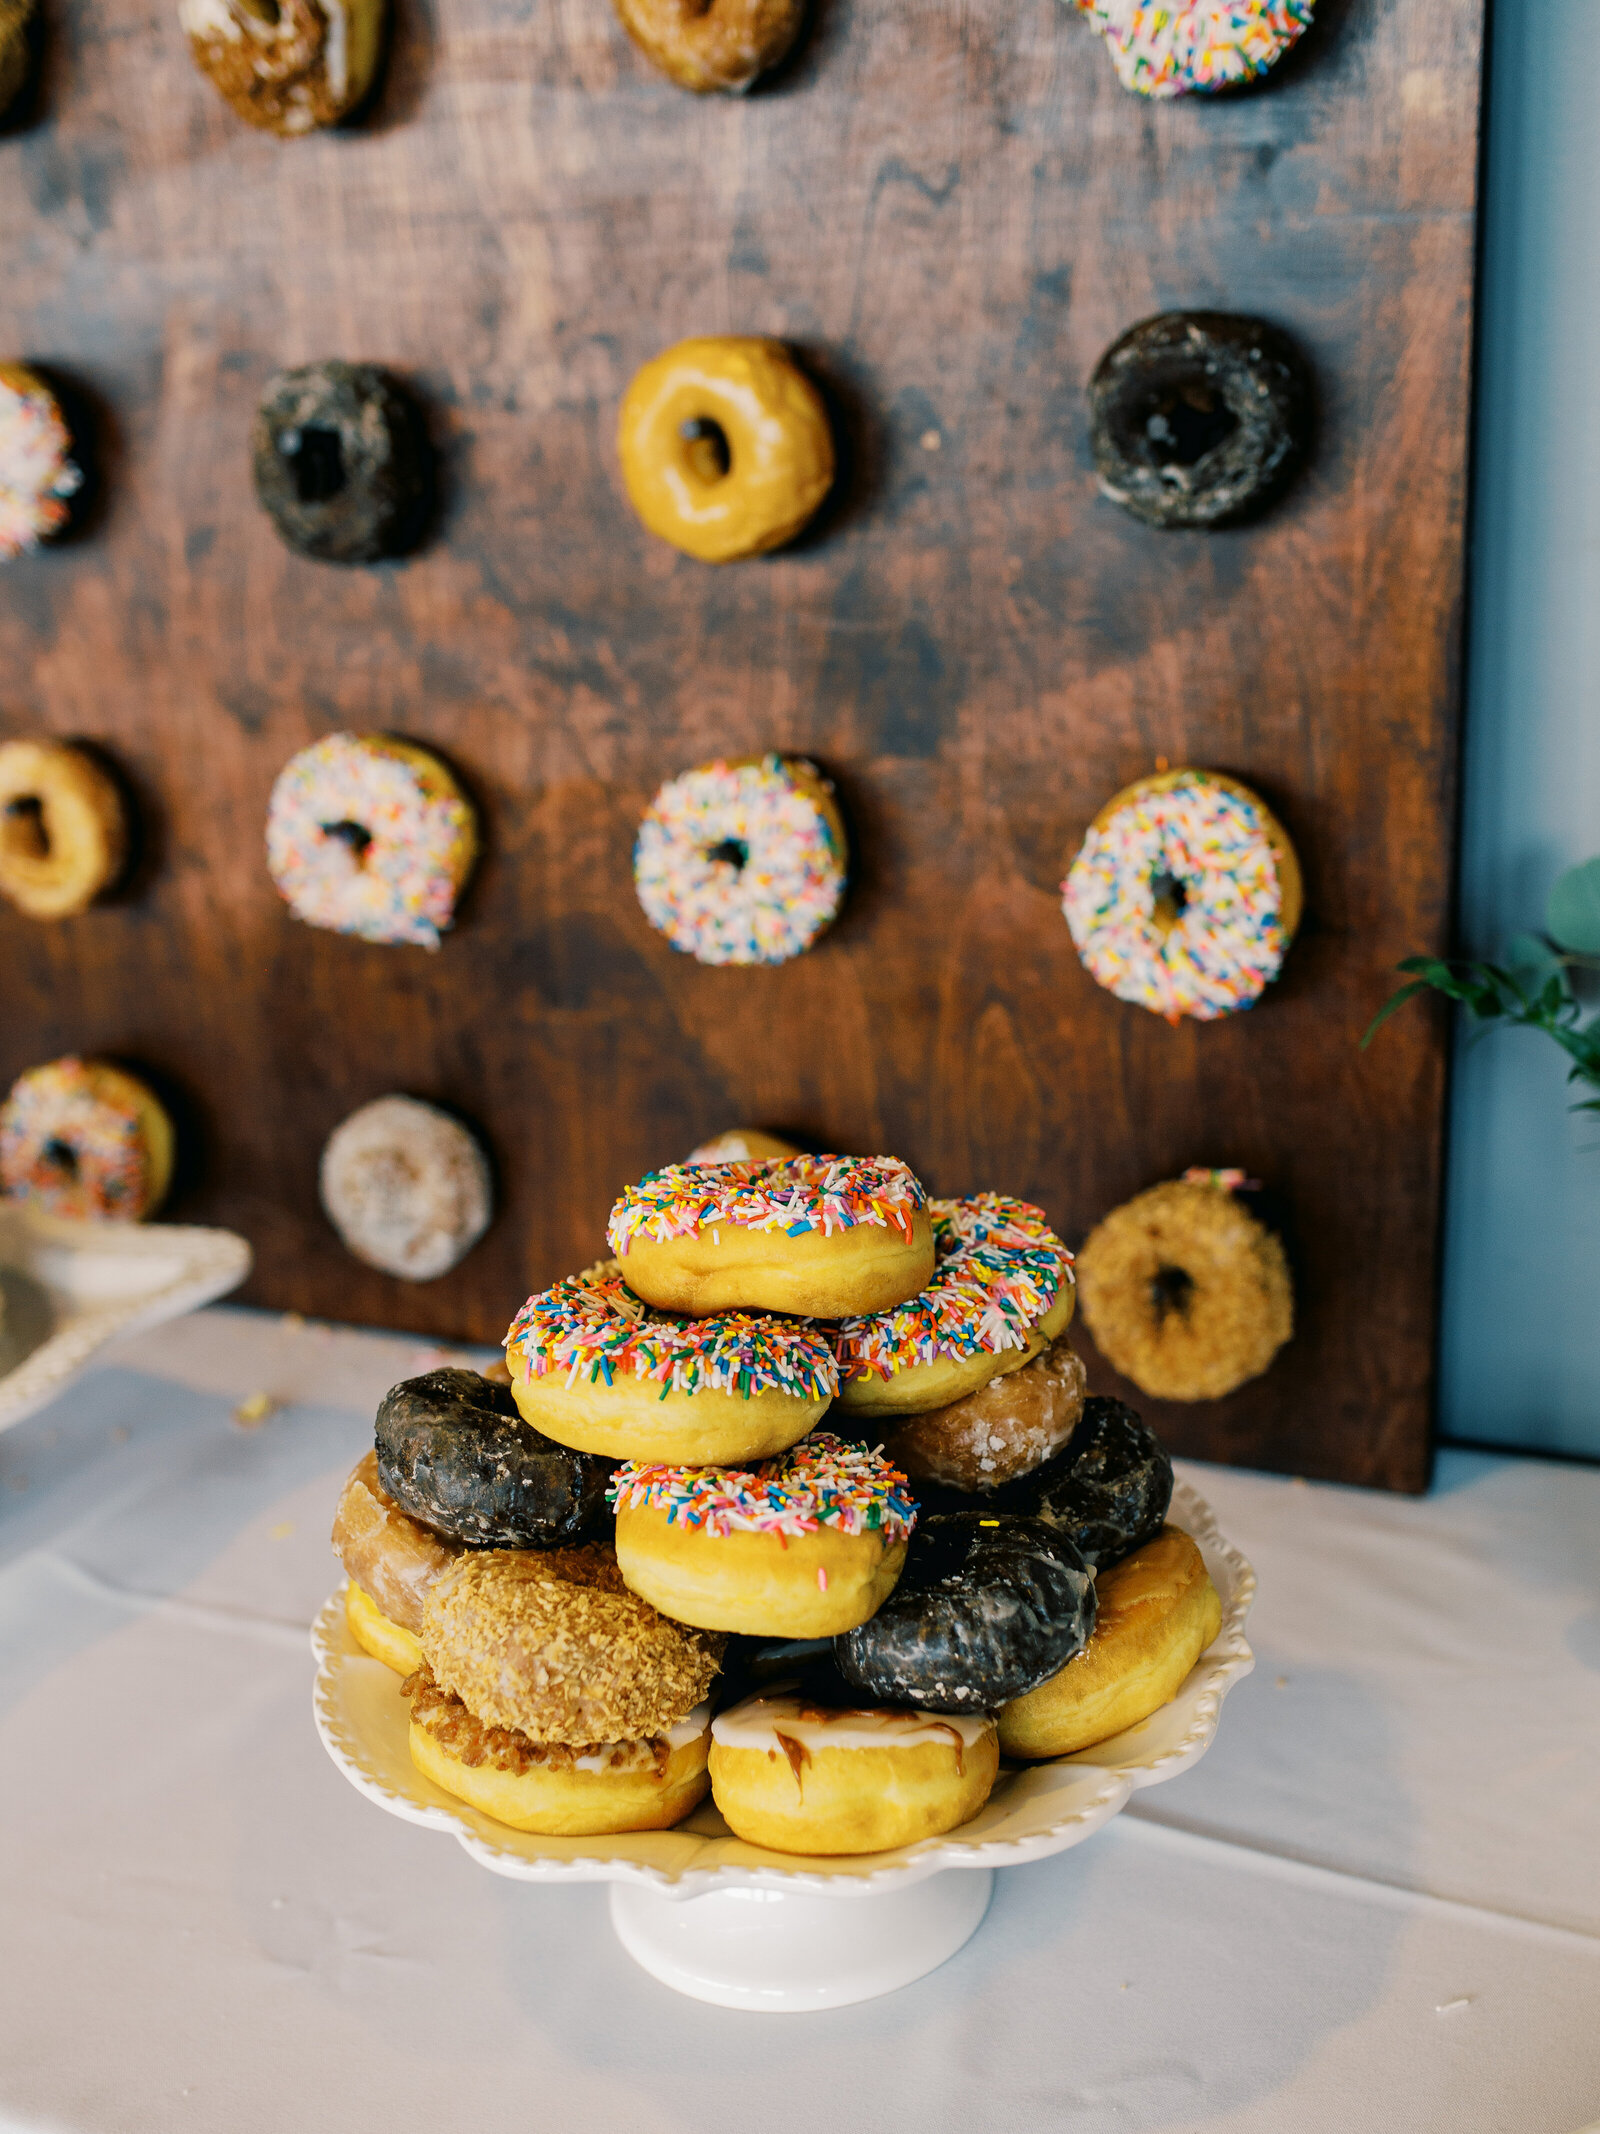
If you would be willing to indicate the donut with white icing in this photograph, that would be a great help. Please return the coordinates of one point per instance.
(83, 1138)
(744, 861)
(407, 1187)
(287, 66)
(39, 477)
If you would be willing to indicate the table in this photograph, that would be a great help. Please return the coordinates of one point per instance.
(1375, 1906)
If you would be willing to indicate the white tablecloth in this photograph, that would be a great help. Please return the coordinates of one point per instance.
(1375, 1906)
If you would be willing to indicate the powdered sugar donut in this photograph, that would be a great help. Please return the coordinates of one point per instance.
(1174, 50)
(370, 836)
(741, 1144)
(1185, 896)
(82, 1138)
(742, 862)
(38, 475)
(407, 1187)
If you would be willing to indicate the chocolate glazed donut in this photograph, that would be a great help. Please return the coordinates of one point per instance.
(455, 1454)
(986, 1609)
(342, 463)
(1108, 1488)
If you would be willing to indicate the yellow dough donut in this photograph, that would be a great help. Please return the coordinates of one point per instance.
(379, 1634)
(1157, 1612)
(801, 1777)
(805, 1546)
(821, 1236)
(63, 828)
(85, 1139)
(15, 54)
(1185, 1291)
(725, 446)
(712, 44)
(595, 1369)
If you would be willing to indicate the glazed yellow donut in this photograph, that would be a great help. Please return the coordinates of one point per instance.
(804, 1546)
(63, 828)
(712, 44)
(1157, 1612)
(390, 1559)
(801, 1777)
(85, 1139)
(819, 1236)
(379, 1634)
(725, 446)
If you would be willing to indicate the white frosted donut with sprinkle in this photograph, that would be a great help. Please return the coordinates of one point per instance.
(742, 862)
(1185, 896)
(85, 1139)
(370, 836)
(1174, 50)
(38, 476)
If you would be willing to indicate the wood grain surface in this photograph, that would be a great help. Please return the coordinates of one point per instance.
(950, 211)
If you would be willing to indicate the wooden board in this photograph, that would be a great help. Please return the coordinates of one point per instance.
(950, 211)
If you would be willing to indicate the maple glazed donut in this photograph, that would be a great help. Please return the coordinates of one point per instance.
(1177, 49)
(406, 1186)
(371, 836)
(803, 1546)
(798, 1776)
(287, 66)
(82, 1138)
(1185, 896)
(1185, 1290)
(39, 477)
(391, 1560)
(742, 862)
(63, 828)
(712, 44)
(821, 1236)
(594, 1367)
(725, 446)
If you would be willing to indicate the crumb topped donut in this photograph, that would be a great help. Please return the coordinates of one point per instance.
(1175, 49)
(82, 1138)
(820, 1236)
(63, 828)
(287, 66)
(38, 475)
(803, 1546)
(725, 446)
(1185, 1290)
(371, 836)
(1185, 896)
(594, 1367)
(1001, 1291)
(742, 862)
(712, 44)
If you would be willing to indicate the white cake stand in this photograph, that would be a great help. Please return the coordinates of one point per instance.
(728, 1922)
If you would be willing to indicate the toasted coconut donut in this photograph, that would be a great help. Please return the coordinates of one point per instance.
(1185, 1291)
(742, 1144)
(63, 828)
(594, 1368)
(804, 1546)
(1006, 1429)
(553, 1645)
(1001, 1291)
(712, 44)
(801, 1777)
(1158, 1611)
(822, 1236)
(380, 1634)
(390, 1556)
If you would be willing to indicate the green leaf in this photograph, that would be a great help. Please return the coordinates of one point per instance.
(1533, 963)
(1573, 910)
(1395, 1000)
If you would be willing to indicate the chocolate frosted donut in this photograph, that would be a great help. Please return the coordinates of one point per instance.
(1008, 1427)
(342, 464)
(985, 1610)
(1107, 1491)
(455, 1454)
(1198, 418)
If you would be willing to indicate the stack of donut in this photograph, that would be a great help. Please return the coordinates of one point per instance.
(641, 1571)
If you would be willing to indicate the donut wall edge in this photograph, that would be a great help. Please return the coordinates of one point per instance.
(950, 229)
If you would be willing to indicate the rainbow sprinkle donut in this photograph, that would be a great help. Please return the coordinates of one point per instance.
(38, 476)
(1002, 1289)
(81, 1138)
(808, 1545)
(742, 862)
(370, 836)
(594, 1368)
(1166, 51)
(1185, 896)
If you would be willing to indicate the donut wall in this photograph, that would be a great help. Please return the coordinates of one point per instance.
(949, 216)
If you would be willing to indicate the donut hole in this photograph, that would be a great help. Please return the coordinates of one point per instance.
(60, 1157)
(732, 852)
(706, 449)
(354, 836)
(1169, 898)
(314, 455)
(1171, 1289)
(1180, 424)
(23, 835)
(267, 11)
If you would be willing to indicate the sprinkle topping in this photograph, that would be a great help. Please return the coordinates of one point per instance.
(998, 1269)
(740, 863)
(595, 1329)
(37, 473)
(1174, 50)
(820, 1482)
(1224, 1181)
(1217, 939)
(70, 1150)
(793, 1194)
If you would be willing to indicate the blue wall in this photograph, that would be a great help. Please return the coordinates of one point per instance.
(1521, 1349)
